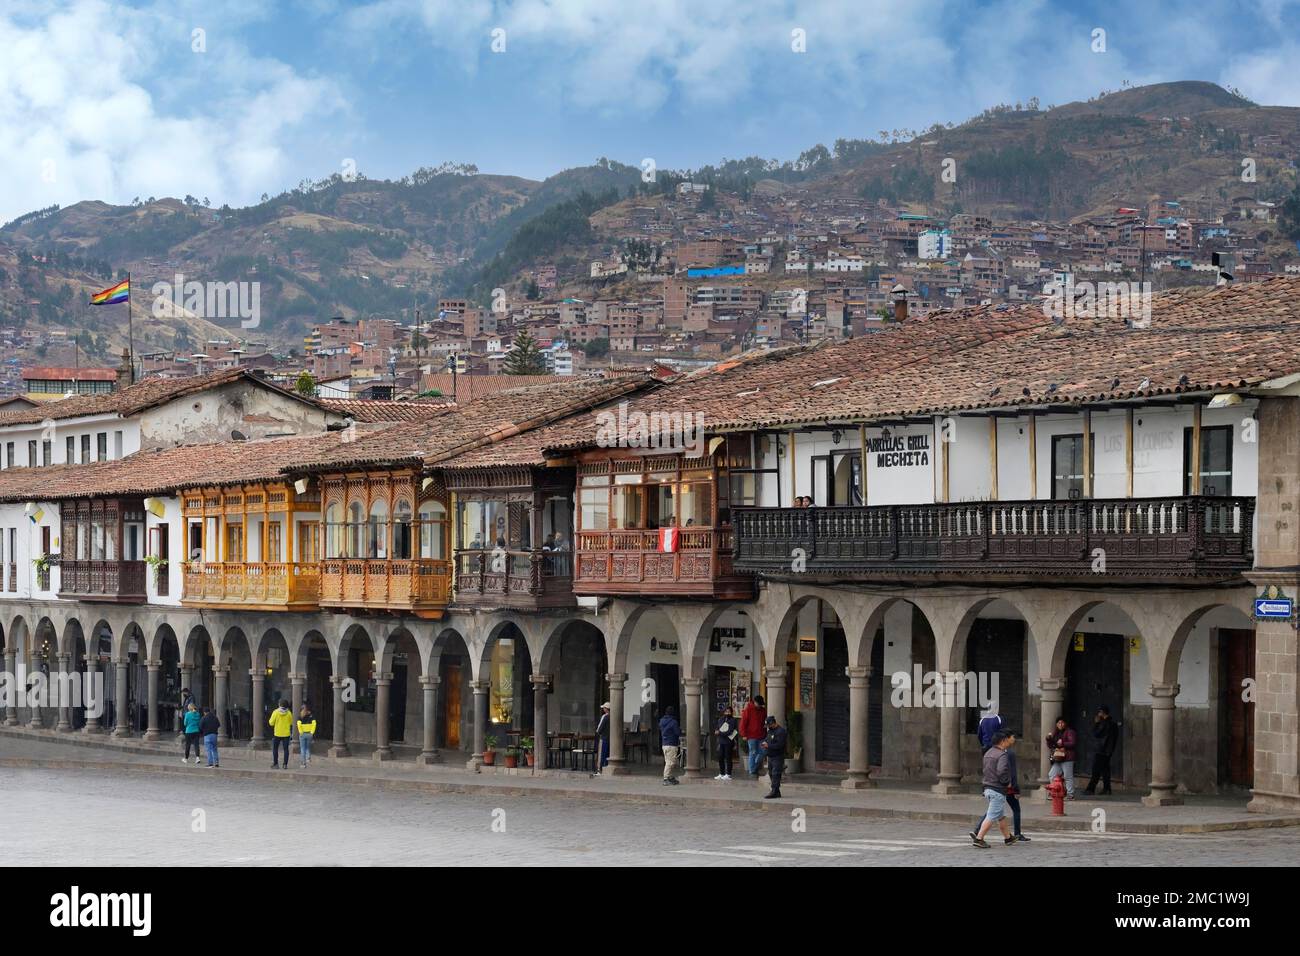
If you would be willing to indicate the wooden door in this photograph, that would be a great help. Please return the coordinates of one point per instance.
(1237, 647)
(308, 542)
(451, 706)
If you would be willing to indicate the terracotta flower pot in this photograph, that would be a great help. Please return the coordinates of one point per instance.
(512, 761)
(489, 758)
(532, 758)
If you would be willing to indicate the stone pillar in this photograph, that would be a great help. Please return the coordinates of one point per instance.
(480, 688)
(617, 756)
(11, 709)
(339, 746)
(949, 783)
(1163, 697)
(776, 693)
(187, 675)
(383, 688)
(1051, 706)
(859, 729)
(65, 707)
(34, 720)
(92, 719)
(694, 689)
(297, 683)
(1276, 785)
(220, 686)
(429, 748)
(257, 740)
(123, 728)
(155, 669)
(541, 694)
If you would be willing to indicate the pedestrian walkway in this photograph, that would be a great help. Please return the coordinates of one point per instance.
(23, 747)
(866, 848)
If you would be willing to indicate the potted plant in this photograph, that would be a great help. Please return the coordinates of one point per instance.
(490, 752)
(512, 757)
(794, 740)
(157, 563)
(526, 744)
(42, 565)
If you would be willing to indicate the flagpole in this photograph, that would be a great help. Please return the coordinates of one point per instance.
(130, 327)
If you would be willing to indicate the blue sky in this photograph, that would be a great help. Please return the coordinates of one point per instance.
(104, 100)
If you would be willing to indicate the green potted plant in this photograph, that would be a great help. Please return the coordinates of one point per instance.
(526, 744)
(794, 740)
(157, 564)
(42, 565)
(512, 757)
(490, 752)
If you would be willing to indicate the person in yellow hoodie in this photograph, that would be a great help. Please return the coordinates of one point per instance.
(281, 723)
(306, 731)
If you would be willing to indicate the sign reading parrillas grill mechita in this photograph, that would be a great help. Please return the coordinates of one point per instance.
(906, 451)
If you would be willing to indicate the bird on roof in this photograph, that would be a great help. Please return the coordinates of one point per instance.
(1114, 384)
(1184, 379)
(1051, 388)
(995, 391)
(1144, 385)
(1025, 391)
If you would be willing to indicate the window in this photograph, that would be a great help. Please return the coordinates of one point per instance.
(31, 453)
(101, 446)
(356, 531)
(9, 454)
(47, 452)
(1216, 461)
(234, 542)
(1067, 466)
(752, 469)
(377, 530)
(162, 549)
(69, 451)
(117, 444)
(433, 531)
(274, 547)
(334, 529)
(308, 542)
(194, 547)
(501, 701)
(661, 499)
(594, 503)
(85, 449)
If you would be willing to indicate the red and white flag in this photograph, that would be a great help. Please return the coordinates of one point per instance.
(668, 540)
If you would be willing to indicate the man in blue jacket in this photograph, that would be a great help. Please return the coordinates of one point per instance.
(670, 738)
(990, 724)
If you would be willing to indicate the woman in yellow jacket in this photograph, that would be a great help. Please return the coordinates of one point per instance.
(281, 723)
(306, 731)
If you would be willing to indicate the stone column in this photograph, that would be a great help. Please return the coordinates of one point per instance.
(383, 688)
(1162, 793)
(694, 689)
(617, 756)
(34, 720)
(257, 741)
(339, 746)
(1051, 706)
(187, 675)
(11, 709)
(859, 729)
(480, 688)
(65, 685)
(776, 693)
(949, 783)
(155, 669)
(297, 684)
(220, 685)
(92, 673)
(541, 693)
(123, 728)
(429, 748)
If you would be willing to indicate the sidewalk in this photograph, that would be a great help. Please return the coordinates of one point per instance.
(24, 748)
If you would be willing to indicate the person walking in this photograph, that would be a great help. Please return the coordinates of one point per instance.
(602, 734)
(191, 719)
(670, 738)
(726, 732)
(1013, 791)
(753, 727)
(306, 731)
(208, 728)
(1106, 733)
(1061, 745)
(996, 780)
(774, 746)
(186, 699)
(281, 724)
(990, 724)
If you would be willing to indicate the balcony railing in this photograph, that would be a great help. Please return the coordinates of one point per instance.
(515, 578)
(102, 580)
(256, 583)
(399, 584)
(1159, 537)
(631, 562)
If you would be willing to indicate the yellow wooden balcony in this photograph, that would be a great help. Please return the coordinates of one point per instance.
(262, 585)
(421, 586)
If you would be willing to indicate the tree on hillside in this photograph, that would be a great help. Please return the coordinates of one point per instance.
(524, 359)
(305, 385)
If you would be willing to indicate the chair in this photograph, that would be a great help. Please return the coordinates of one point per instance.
(557, 749)
(634, 741)
(584, 751)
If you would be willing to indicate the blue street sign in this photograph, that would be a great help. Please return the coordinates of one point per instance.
(1273, 608)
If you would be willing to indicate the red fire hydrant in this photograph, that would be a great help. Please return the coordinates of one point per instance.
(1056, 790)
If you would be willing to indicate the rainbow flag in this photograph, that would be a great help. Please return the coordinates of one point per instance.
(113, 295)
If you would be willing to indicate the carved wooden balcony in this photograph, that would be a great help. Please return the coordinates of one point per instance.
(631, 563)
(268, 586)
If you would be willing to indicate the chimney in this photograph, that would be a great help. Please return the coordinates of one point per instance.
(900, 303)
(1223, 262)
(125, 374)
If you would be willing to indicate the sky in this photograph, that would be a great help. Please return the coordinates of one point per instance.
(230, 100)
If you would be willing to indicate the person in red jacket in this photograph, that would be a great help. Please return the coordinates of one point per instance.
(753, 727)
(1061, 745)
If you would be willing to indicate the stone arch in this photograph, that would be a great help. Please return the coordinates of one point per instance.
(451, 661)
(576, 658)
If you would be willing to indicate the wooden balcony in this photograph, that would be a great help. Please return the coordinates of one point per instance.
(630, 563)
(529, 580)
(1139, 538)
(117, 581)
(420, 586)
(264, 586)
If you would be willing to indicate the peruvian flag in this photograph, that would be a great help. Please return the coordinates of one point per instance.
(1125, 211)
(668, 540)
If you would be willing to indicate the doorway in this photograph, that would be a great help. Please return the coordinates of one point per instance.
(1095, 678)
(451, 704)
(1236, 715)
(833, 708)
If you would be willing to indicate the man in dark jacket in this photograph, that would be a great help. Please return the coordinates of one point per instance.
(990, 724)
(670, 738)
(774, 747)
(208, 728)
(1107, 735)
(602, 735)
(997, 780)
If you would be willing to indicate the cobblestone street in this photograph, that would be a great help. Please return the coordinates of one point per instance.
(78, 817)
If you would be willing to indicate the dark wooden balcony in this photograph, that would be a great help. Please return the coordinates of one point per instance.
(529, 580)
(1157, 538)
(120, 581)
(418, 586)
(630, 563)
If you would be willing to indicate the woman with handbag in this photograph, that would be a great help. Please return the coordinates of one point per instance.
(1061, 744)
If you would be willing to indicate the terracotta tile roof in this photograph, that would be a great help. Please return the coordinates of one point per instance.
(63, 372)
(372, 410)
(136, 398)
